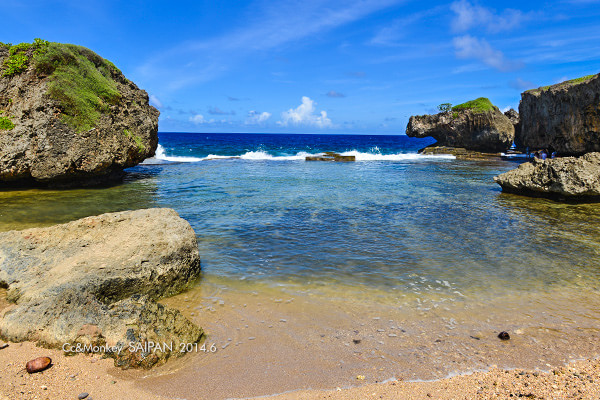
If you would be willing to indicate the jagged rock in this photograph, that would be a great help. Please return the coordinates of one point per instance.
(476, 125)
(95, 281)
(560, 178)
(69, 117)
(513, 116)
(563, 117)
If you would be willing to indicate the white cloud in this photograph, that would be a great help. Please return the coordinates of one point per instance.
(304, 114)
(155, 101)
(470, 15)
(467, 47)
(198, 119)
(269, 25)
(256, 118)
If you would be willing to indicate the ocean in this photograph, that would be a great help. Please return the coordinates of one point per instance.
(428, 242)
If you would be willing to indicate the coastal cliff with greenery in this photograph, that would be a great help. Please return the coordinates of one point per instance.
(564, 117)
(475, 125)
(69, 116)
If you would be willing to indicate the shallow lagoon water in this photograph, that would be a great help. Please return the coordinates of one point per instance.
(428, 239)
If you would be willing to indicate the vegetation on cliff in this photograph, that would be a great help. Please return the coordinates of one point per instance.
(480, 105)
(6, 124)
(80, 80)
(564, 84)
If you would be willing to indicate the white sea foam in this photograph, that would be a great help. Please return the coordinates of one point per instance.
(161, 155)
(395, 157)
(262, 155)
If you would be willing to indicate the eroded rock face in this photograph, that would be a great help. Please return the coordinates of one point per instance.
(563, 117)
(43, 148)
(96, 281)
(489, 131)
(560, 178)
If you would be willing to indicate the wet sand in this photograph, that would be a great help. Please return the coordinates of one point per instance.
(304, 344)
(276, 340)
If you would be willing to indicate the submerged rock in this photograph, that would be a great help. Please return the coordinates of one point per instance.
(69, 117)
(459, 152)
(476, 125)
(561, 178)
(563, 117)
(95, 282)
(331, 156)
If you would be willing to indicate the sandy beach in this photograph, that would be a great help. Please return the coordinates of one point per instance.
(71, 376)
(302, 347)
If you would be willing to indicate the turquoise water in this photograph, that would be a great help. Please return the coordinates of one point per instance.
(394, 221)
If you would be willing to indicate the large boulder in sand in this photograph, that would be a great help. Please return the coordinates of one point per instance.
(564, 117)
(560, 178)
(68, 117)
(476, 125)
(95, 281)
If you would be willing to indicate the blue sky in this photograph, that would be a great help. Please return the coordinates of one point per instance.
(320, 66)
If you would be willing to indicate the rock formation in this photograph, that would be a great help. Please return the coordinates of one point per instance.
(563, 117)
(69, 117)
(561, 178)
(477, 125)
(95, 281)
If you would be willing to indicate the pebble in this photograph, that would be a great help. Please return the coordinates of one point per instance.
(83, 395)
(251, 338)
(503, 335)
(37, 365)
(283, 320)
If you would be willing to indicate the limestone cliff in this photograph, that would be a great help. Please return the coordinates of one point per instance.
(476, 125)
(69, 117)
(563, 117)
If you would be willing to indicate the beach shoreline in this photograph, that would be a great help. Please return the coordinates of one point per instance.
(275, 343)
(71, 376)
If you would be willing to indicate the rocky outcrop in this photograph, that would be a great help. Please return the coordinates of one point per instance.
(459, 152)
(483, 129)
(69, 117)
(95, 281)
(560, 178)
(563, 117)
(330, 156)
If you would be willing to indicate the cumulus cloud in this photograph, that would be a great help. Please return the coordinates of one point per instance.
(198, 119)
(467, 47)
(333, 93)
(469, 15)
(305, 114)
(155, 101)
(256, 118)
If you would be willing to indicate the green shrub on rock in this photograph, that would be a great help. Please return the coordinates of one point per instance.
(6, 124)
(479, 105)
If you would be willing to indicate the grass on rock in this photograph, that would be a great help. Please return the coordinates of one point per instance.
(79, 79)
(564, 84)
(6, 124)
(479, 105)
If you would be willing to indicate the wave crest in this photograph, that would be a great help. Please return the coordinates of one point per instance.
(300, 156)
